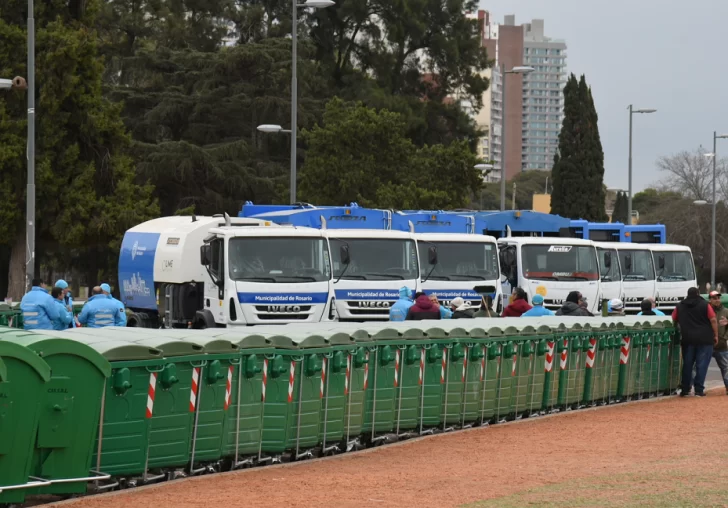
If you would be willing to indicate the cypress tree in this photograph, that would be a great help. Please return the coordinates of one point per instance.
(619, 214)
(579, 164)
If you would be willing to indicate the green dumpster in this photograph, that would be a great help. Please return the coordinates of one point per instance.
(70, 411)
(508, 374)
(475, 344)
(664, 337)
(23, 376)
(598, 365)
(571, 375)
(489, 407)
(358, 384)
(379, 409)
(335, 374)
(452, 371)
(242, 428)
(176, 403)
(221, 361)
(129, 404)
(529, 399)
(293, 396)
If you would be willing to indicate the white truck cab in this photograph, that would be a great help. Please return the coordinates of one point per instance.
(551, 267)
(181, 272)
(675, 274)
(638, 274)
(610, 271)
(380, 262)
(463, 262)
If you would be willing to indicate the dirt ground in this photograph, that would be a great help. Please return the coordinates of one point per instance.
(661, 453)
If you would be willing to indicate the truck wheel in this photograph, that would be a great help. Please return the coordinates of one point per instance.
(135, 320)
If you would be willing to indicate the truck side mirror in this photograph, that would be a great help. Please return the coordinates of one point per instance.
(607, 259)
(205, 254)
(432, 255)
(661, 262)
(628, 262)
(344, 254)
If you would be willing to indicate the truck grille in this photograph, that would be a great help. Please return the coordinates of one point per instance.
(281, 312)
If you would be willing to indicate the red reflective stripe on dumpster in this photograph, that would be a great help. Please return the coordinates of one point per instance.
(348, 373)
(444, 363)
(624, 352)
(549, 361)
(465, 362)
(265, 379)
(291, 379)
(323, 379)
(591, 353)
(228, 387)
(422, 364)
(564, 355)
(366, 373)
(193, 389)
(396, 368)
(150, 393)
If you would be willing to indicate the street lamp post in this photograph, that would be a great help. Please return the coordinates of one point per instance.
(316, 4)
(516, 70)
(714, 155)
(629, 197)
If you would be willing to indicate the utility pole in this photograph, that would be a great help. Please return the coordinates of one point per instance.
(30, 198)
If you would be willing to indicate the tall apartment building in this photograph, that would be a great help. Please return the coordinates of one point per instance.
(535, 104)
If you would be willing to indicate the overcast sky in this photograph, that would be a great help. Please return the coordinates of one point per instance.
(664, 54)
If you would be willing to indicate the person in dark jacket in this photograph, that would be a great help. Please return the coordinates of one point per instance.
(423, 309)
(571, 306)
(461, 309)
(486, 308)
(698, 334)
(519, 305)
(646, 307)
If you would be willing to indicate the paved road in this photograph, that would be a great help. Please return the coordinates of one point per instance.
(714, 378)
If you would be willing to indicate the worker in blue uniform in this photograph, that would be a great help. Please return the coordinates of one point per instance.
(38, 308)
(99, 311)
(67, 298)
(106, 289)
(65, 316)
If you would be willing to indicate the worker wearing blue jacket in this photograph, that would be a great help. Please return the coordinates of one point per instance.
(38, 308)
(398, 311)
(65, 317)
(67, 298)
(99, 311)
(106, 289)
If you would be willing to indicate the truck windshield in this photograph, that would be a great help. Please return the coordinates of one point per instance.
(678, 266)
(609, 273)
(279, 260)
(460, 261)
(559, 262)
(636, 265)
(376, 259)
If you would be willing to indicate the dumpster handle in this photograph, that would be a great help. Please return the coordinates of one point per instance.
(98, 475)
(37, 482)
(201, 364)
(151, 371)
(236, 362)
(296, 358)
(269, 356)
(328, 355)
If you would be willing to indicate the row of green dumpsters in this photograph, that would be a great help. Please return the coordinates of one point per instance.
(114, 407)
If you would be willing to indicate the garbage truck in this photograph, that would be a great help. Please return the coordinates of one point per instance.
(204, 272)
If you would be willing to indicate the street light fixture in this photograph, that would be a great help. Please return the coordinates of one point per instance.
(632, 112)
(519, 69)
(17, 83)
(272, 129)
(316, 4)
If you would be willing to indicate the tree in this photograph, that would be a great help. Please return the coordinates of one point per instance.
(579, 163)
(650, 200)
(86, 191)
(621, 212)
(690, 173)
(361, 154)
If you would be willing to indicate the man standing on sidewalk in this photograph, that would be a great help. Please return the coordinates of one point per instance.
(720, 350)
(698, 335)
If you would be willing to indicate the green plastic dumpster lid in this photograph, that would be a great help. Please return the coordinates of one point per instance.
(406, 330)
(297, 341)
(3, 371)
(10, 349)
(544, 329)
(211, 344)
(46, 346)
(245, 341)
(171, 346)
(361, 335)
(495, 332)
(340, 339)
(119, 350)
(436, 333)
(511, 331)
(388, 333)
(528, 330)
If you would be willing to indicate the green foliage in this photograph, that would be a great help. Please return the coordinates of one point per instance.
(579, 163)
(650, 200)
(86, 190)
(362, 155)
(621, 209)
(527, 183)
